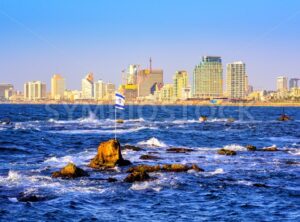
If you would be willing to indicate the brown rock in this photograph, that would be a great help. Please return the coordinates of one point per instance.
(145, 168)
(179, 150)
(226, 152)
(70, 171)
(175, 167)
(149, 157)
(251, 147)
(130, 147)
(137, 176)
(270, 149)
(109, 155)
(196, 168)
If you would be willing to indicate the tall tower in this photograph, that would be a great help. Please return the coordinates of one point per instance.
(57, 87)
(282, 83)
(150, 67)
(236, 80)
(208, 78)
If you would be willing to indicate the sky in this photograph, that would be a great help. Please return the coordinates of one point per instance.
(71, 37)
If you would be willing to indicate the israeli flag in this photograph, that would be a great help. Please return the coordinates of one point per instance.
(120, 101)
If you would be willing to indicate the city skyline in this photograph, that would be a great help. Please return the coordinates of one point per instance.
(72, 40)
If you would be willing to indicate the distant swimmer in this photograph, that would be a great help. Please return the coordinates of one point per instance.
(202, 119)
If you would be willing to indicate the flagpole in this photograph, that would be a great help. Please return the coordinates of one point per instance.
(115, 123)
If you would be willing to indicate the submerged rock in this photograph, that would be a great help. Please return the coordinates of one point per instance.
(226, 152)
(146, 168)
(108, 156)
(30, 198)
(137, 176)
(149, 157)
(251, 147)
(111, 180)
(260, 185)
(179, 150)
(130, 147)
(165, 168)
(70, 171)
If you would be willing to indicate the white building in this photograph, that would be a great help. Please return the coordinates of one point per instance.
(236, 80)
(35, 90)
(58, 87)
(87, 86)
(99, 90)
(282, 83)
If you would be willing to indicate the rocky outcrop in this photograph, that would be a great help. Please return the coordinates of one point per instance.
(251, 147)
(165, 168)
(179, 150)
(70, 171)
(137, 176)
(108, 156)
(149, 157)
(226, 152)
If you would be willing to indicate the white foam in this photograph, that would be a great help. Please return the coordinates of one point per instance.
(153, 142)
(295, 153)
(215, 172)
(235, 147)
(104, 131)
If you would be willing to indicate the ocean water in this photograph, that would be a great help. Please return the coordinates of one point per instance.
(251, 186)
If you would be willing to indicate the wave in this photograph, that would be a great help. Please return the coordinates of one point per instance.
(146, 186)
(235, 147)
(95, 131)
(153, 142)
(295, 153)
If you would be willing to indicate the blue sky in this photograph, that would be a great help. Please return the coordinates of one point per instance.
(39, 38)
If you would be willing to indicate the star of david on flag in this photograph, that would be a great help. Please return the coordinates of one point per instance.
(120, 101)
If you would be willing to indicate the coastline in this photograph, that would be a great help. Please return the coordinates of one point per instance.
(180, 103)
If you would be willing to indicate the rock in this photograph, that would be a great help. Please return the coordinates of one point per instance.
(137, 176)
(270, 149)
(130, 147)
(70, 171)
(145, 168)
(230, 120)
(149, 157)
(226, 152)
(30, 198)
(260, 185)
(112, 180)
(290, 162)
(179, 150)
(196, 168)
(251, 147)
(108, 156)
(175, 167)
(120, 121)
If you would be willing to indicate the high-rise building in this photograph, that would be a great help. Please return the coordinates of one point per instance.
(35, 90)
(180, 80)
(208, 78)
(148, 80)
(293, 83)
(110, 90)
(57, 87)
(99, 90)
(236, 80)
(3, 87)
(132, 74)
(87, 86)
(282, 84)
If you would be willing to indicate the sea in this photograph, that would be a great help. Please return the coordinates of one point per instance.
(250, 186)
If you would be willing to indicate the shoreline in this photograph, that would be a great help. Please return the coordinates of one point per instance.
(183, 103)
